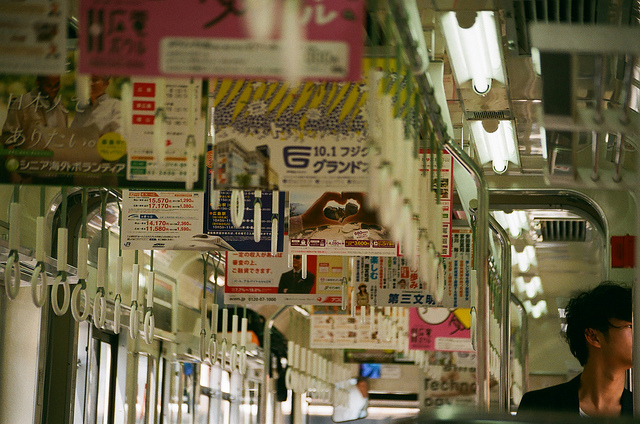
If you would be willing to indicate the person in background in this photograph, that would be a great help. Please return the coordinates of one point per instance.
(293, 282)
(600, 336)
(103, 111)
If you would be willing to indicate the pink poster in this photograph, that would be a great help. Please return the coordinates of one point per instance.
(218, 38)
(440, 329)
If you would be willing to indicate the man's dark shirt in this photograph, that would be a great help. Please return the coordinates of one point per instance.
(292, 282)
(563, 398)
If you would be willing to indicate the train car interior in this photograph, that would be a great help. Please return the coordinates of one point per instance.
(308, 211)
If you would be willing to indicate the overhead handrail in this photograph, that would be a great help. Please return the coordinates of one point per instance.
(149, 320)
(12, 283)
(83, 257)
(61, 278)
(39, 299)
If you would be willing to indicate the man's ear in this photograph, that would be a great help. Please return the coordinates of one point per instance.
(592, 336)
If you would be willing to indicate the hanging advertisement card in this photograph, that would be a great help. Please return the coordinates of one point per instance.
(440, 329)
(446, 191)
(186, 221)
(178, 38)
(52, 136)
(342, 331)
(255, 277)
(450, 379)
(270, 135)
(337, 224)
(391, 281)
(33, 37)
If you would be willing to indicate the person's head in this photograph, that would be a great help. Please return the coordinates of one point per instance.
(362, 288)
(48, 85)
(363, 386)
(297, 262)
(99, 84)
(402, 284)
(594, 312)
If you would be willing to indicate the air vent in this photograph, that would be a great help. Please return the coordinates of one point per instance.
(501, 115)
(563, 230)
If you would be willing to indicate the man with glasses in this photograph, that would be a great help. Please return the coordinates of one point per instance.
(600, 336)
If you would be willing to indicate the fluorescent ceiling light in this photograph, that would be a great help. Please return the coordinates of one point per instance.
(536, 310)
(495, 143)
(474, 50)
(524, 259)
(516, 222)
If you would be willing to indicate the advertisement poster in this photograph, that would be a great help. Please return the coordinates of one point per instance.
(51, 136)
(336, 224)
(458, 269)
(450, 380)
(390, 281)
(184, 131)
(185, 221)
(440, 329)
(33, 37)
(270, 135)
(259, 277)
(446, 193)
(342, 331)
(150, 37)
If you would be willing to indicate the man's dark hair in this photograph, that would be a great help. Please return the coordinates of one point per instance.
(593, 309)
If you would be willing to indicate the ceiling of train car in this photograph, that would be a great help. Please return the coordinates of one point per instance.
(568, 249)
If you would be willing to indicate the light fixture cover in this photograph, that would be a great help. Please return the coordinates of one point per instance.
(474, 52)
(498, 147)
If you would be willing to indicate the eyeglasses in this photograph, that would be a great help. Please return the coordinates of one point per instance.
(630, 326)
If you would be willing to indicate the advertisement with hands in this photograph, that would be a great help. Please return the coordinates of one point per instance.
(336, 223)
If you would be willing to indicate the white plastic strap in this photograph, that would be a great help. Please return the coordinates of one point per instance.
(135, 280)
(243, 332)
(149, 326)
(63, 242)
(40, 239)
(274, 235)
(304, 266)
(126, 109)
(119, 266)
(151, 281)
(14, 226)
(102, 267)
(83, 258)
(234, 329)
(257, 216)
(83, 89)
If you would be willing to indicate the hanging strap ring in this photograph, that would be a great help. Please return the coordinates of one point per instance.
(57, 309)
(77, 290)
(39, 299)
(12, 284)
(134, 324)
(149, 325)
(99, 308)
(203, 345)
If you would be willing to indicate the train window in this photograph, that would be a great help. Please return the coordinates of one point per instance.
(146, 392)
(95, 375)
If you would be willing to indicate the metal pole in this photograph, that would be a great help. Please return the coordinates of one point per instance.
(525, 342)
(266, 350)
(505, 322)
